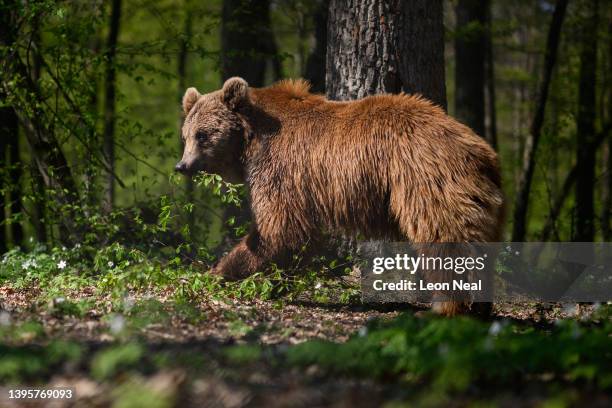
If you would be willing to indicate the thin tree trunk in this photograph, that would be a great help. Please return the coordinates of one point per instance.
(9, 148)
(490, 79)
(470, 54)
(90, 192)
(248, 47)
(606, 196)
(315, 66)
(38, 185)
(247, 41)
(7, 126)
(109, 102)
(182, 85)
(372, 49)
(566, 188)
(584, 228)
(302, 36)
(16, 171)
(521, 204)
(606, 193)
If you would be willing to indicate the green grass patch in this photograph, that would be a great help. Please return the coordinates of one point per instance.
(453, 354)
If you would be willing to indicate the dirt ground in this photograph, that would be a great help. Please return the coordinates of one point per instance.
(214, 326)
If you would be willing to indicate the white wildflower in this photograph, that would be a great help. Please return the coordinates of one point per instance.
(61, 264)
(26, 264)
(318, 285)
(110, 264)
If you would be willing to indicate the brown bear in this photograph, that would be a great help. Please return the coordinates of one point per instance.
(386, 166)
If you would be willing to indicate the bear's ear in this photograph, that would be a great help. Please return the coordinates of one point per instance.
(189, 99)
(235, 92)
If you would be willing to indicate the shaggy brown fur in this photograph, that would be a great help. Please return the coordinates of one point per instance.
(386, 166)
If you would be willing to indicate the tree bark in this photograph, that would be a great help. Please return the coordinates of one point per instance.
(521, 203)
(584, 228)
(381, 46)
(315, 66)
(470, 53)
(109, 102)
(247, 41)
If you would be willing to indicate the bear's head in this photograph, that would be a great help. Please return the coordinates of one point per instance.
(214, 131)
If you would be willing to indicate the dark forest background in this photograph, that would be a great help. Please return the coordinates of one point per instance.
(90, 96)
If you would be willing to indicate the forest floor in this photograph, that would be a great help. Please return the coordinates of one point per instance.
(228, 353)
(129, 331)
(212, 337)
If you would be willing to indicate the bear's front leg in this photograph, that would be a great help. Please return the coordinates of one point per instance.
(243, 260)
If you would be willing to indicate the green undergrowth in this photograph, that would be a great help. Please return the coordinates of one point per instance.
(431, 359)
(116, 270)
(452, 355)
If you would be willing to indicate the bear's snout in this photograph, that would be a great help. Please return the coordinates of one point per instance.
(181, 167)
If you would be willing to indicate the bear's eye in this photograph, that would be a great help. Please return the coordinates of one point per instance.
(201, 136)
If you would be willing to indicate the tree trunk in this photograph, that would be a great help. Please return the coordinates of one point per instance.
(584, 230)
(16, 171)
(247, 41)
(248, 48)
(109, 103)
(315, 67)
(37, 183)
(9, 149)
(182, 86)
(378, 46)
(490, 79)
(568, 183)
(521, 203)
(470, 53)
(606, 196)
(3, 146)
(606, 193)
(8, 127)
